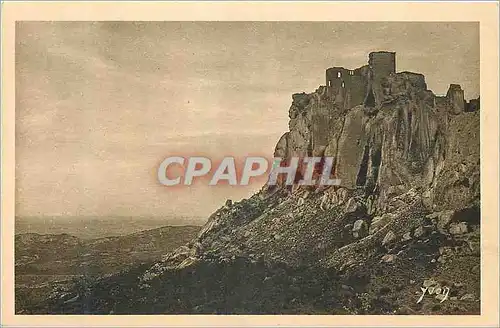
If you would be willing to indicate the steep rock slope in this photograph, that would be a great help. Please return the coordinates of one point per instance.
(406, 215)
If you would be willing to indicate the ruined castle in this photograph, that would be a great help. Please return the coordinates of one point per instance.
(380, 126)
(368, 85)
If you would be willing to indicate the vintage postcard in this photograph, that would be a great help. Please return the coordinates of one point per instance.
(249, 164)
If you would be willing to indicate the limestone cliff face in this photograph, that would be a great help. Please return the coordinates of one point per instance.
(402, 136)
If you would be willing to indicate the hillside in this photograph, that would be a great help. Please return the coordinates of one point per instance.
(406, 216)
(46, 264)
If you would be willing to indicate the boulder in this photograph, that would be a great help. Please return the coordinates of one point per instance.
(360, 229)
(325, 202)
(370, 205)
(342, 195)
(351, 206)
(380, 221)
(419, 232)
(389, 238)
(388, 258)
(443, 219)
(395, 190)
(458, 228)
(334, 199)
(406, 236)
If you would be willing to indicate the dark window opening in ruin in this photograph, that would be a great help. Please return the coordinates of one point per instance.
(363, 168)
(339, 74)
(329, 83)
(370, 99)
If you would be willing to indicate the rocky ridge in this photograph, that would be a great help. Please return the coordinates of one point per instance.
(406, 215)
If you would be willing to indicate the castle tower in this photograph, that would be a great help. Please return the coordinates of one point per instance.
(455, 97)
(382, 63)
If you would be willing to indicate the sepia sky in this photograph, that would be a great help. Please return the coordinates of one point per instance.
(100, 105)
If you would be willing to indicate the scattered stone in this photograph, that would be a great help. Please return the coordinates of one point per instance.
(389, 238)
(427, 199)
(380, 221)
(324, 202)
(342, 194)
(334, 200)
(348, 227)
(395, 190)
(444, 218)
(458, 228)
(375, 224)
(419, 232)
(351, 205)
(360, 229)
(432, 215)
(406, 236)
(388, 258)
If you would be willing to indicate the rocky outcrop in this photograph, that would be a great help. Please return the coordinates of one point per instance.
(407, 211)
(409, 138)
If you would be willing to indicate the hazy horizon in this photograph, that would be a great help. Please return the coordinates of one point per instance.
(91, 227)
(162, 217)
(100, 104)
